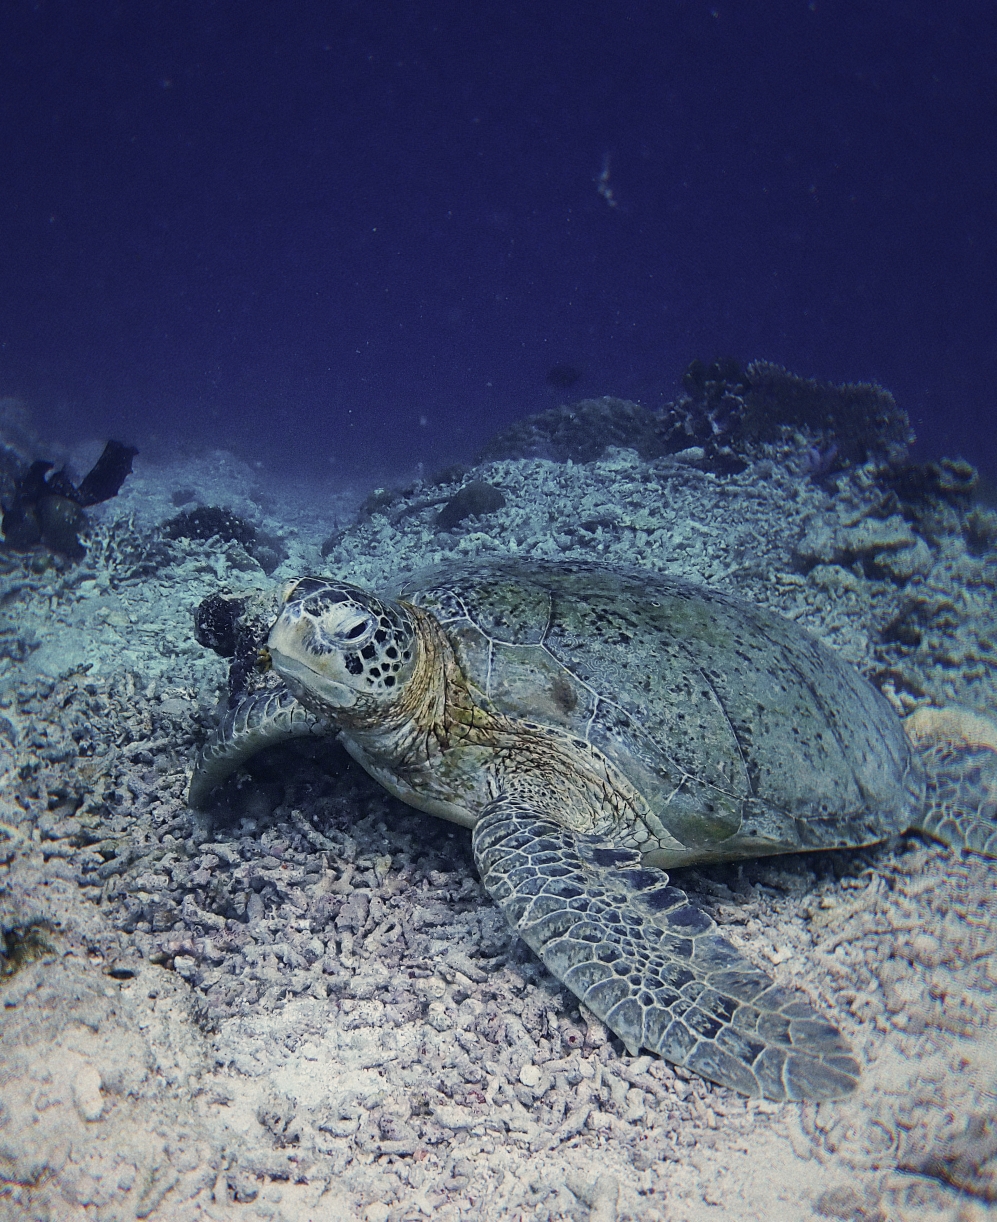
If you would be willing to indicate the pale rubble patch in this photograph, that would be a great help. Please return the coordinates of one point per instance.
(304, 1006)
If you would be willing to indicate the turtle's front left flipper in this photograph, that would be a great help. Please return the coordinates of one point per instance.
(649, 964)
(262, 720)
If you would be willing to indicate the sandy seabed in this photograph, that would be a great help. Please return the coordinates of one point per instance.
(303, 1005)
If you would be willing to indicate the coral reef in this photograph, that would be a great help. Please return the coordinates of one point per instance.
(22, 940)
(729, 410)
(211, 521)
(724, 415)
(308, 1007)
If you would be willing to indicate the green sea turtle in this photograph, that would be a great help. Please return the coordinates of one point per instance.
(595, 726)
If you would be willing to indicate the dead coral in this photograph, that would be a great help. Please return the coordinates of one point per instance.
(124, 552)
(967, 1162)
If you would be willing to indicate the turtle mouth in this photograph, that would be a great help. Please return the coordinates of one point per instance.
(316, 691)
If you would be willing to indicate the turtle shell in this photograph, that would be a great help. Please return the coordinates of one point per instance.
(744, 734)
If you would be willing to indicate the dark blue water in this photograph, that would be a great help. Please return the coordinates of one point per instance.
(360, 235)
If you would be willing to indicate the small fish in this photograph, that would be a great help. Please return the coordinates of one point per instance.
(563, 376)
(819, 463)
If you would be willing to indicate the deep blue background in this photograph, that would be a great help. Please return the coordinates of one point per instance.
(301, 228)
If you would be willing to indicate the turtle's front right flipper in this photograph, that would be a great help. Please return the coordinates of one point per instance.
(650, 965)
(261, 720)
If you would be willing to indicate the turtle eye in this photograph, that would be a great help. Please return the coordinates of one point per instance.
(351, 627)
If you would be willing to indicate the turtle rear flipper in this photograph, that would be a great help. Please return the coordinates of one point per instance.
(649, 964)
(262, 720)
(958, 749)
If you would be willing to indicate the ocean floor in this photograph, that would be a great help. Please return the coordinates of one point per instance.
(302, 1005)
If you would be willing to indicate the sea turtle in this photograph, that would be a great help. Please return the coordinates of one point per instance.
(594, 726)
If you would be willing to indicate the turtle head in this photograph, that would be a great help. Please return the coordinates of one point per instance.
(334, 644)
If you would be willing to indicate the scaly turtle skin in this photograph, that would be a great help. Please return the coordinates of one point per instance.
(596, 726)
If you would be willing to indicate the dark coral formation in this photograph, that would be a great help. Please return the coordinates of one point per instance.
(862, 419)
(726, 412)
(211, 522)
(236, 628)
(980, 530)
(44, 507)
(472, 500)
(215, 623)
(581, 432)
(758, 403)
(22, 940)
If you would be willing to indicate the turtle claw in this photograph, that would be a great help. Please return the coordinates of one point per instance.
(652, 966)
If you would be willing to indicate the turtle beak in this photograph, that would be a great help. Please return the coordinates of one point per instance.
(319, 680)
(315, 691)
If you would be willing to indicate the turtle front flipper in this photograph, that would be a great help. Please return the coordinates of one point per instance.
(261, 720)
(649, 964)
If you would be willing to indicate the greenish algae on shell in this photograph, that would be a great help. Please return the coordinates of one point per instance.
(744, 735)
